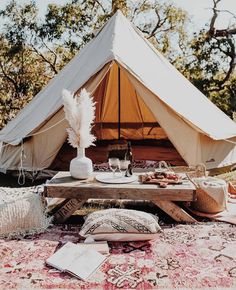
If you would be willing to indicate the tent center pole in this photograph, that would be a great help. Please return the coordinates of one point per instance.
(119, 103)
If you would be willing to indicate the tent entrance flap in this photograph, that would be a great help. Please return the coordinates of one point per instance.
(120, 112)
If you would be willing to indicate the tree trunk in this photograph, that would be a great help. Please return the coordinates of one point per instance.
(119, 4)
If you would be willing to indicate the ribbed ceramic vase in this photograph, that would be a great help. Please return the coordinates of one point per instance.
(81, 167)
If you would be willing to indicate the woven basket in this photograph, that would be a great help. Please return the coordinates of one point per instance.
(199, 171)
(204, 203)
(182, 169)
(191, 171)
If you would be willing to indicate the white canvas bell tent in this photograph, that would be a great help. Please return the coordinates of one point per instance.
(139, 95)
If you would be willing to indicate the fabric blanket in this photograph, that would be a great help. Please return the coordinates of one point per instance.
(228, 215)
(200, 256)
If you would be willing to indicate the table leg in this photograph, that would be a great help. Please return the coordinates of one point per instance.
(65, 209)
(176, 212)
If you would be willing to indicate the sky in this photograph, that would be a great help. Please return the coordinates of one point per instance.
(199, 10)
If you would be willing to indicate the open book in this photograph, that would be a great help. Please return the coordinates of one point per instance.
(78, 261)
(99, 246)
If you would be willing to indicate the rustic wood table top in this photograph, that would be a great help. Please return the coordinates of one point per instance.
(75, 192)
(63, 185)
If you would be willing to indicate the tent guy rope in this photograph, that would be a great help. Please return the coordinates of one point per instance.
(22, 176)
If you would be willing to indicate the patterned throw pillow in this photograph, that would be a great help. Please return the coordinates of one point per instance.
(120, 225)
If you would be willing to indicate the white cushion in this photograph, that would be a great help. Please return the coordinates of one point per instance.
(22, 215)
(120, 225)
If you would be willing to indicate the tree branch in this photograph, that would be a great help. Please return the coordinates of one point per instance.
(224, 32)
(137, 9)
(55, 56)
(232, 63)
(11, 80)
(158, 24)
(219, 32)
(214, 17)
(227, 11)
(99, 4)
(93, 2)
(51, 64)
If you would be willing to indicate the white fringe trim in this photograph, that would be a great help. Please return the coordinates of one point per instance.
(23, 216)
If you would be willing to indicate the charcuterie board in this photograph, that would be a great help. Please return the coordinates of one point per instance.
(161, 178)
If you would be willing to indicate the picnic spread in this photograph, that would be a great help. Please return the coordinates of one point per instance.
(160, 178)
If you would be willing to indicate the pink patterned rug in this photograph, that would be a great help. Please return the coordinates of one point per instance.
(199, 256)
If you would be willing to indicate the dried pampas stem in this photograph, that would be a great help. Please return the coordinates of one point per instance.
(80, 114)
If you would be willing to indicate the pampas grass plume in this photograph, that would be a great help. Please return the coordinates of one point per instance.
(80, 114)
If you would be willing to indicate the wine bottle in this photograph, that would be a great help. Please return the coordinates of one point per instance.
(129, 156)
(128, 153)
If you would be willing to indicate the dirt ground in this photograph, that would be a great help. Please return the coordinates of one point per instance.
(11, 181)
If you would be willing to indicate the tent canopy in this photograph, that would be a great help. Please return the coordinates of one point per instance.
(139, 95)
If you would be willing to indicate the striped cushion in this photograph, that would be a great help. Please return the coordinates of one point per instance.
(120, 225)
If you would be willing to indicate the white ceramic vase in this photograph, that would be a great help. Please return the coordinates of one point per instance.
(81, 167)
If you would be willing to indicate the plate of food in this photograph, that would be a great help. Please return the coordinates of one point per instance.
(161, 178)
(108, 177)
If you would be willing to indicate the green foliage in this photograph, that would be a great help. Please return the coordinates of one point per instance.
(22, 76)
(164, 26)
(33, 51)
(209, 69)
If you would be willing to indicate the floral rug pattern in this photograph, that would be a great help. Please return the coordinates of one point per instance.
(199, 256)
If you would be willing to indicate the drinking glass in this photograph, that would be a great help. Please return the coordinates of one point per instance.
(114, 163)
(124, 166)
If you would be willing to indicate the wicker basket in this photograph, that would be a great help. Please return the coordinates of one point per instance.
(182, 169)
(191, 171)
(199, 171)
(205, 203)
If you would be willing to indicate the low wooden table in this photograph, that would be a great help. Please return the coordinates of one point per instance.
(76, 192)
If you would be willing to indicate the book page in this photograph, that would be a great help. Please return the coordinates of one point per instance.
(86, 263)
(64, 256)
(101, 247)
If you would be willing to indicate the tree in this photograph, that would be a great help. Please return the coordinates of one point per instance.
(224, 41)
(119, 4)
(22, 75)
(34, 50)
(212, 69)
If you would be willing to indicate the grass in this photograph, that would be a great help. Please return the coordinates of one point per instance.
(229, 176)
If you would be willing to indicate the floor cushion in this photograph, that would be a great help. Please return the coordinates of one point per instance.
(120, 225)
(22, 214)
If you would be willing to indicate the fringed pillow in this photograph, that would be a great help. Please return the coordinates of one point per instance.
(22, 215)
(120, 225)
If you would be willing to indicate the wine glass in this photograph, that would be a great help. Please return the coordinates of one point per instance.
(114, 163)
(124, 164)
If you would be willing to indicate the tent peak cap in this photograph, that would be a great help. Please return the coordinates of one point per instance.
(119, 13)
